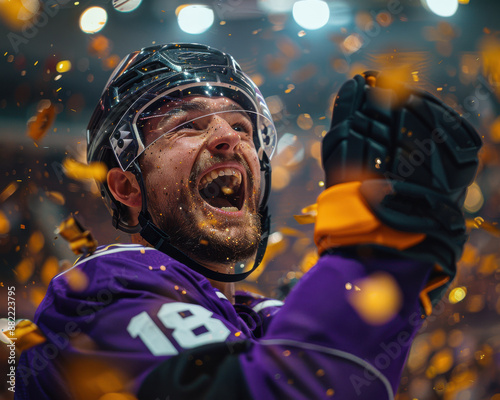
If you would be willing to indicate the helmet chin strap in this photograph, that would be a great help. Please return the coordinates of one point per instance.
(162, 242)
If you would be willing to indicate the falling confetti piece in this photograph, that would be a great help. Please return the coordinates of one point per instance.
(292, 232)
(76, 170)
(28, 335)
(8, 191)
(56, 197)
(38, 127)
(308, 215)
(4, 327)
(378, 300)
(80, 239)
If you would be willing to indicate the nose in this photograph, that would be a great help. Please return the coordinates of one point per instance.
(223, 138)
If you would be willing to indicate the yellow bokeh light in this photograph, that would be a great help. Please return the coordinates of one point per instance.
(24, 270)
(458, 294)
(280, 178)
(305, 122)
(4, 224)
(442, 361)
(378, 300)
(36, 242)
(63, 66)
(50, 269)
(474, 199)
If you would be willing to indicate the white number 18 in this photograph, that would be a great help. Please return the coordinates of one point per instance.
(184, 319)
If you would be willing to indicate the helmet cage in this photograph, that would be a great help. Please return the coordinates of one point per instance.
(126, 138)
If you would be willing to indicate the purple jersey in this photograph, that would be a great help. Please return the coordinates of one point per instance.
(124, 310)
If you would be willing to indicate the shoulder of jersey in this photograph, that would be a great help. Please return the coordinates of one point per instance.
(132, 259)
(119, 250)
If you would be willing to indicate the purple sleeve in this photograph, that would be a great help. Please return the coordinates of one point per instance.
(318, 346)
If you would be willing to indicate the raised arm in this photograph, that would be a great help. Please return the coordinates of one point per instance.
(397, 163)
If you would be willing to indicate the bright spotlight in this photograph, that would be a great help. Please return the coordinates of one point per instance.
(126, 5)
(93, 19)
(311, 14)
(195, 19)
(443, 8)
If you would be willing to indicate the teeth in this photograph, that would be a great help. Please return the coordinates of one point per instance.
(227, 191)
(214, 174)
(230, 209)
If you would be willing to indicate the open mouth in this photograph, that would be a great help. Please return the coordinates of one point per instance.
(222, 188)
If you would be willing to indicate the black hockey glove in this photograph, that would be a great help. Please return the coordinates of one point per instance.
(415, 157)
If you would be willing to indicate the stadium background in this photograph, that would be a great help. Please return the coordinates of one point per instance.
(50, 66)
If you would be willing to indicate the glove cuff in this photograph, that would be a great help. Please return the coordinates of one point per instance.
(344, 218)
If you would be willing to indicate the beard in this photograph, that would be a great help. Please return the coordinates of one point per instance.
(194, 230)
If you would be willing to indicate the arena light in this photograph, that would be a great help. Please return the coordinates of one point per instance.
(275, 6)
(341, 13)
(443, 8)
(311, 14)
(126, 5)
(93, 19)
(195, 19)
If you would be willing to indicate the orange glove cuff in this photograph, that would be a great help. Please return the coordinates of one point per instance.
(343, 219)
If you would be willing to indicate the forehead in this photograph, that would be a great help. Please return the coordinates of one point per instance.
(198, 103)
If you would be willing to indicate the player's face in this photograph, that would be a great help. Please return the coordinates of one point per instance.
(203, 179)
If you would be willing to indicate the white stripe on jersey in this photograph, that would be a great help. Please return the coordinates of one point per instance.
(120, 248)
(220, 295)
(267, 303)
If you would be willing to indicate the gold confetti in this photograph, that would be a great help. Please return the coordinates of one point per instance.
(9, 190)
(289, 88)
(76, 170)
(56, 197)
(227, 190)
(41, 123)
(308, 216)
(291, 232)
